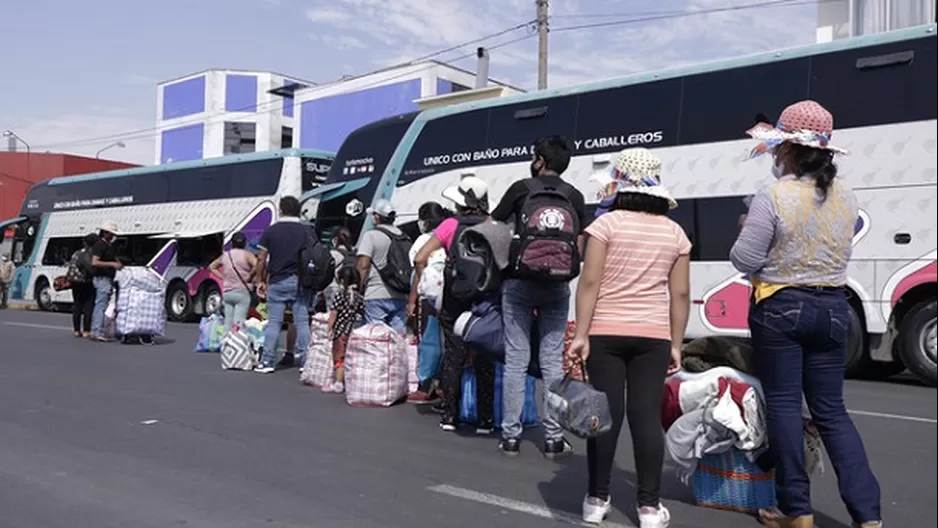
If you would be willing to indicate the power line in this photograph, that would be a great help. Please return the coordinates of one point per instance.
(255, 109)
(697, 12)
(272, 106)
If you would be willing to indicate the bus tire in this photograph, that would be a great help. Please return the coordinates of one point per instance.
(917, 341)
(857, 358)
(178, 302)
(44, 295)
(211, 299)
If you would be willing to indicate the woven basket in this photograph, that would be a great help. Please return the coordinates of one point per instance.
(729, 481)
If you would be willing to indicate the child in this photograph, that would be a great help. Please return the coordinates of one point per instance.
(345, 310)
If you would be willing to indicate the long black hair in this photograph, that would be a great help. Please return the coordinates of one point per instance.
(432, 215)
(348, 277)
(812, 162)
(640, 203)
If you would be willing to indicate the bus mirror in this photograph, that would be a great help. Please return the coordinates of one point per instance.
(355, 207)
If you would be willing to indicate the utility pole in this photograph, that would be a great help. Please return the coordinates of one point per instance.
(541, 44)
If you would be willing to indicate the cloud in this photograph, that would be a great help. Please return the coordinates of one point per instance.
(328, 16)
(405, 29)
(339, 42)
(75, 133)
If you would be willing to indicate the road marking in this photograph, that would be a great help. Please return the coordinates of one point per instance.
(34, 325)
(893, 416)
(518, 506)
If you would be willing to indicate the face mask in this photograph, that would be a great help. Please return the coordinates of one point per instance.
(423, 226)
(777, 170)
(535, 169)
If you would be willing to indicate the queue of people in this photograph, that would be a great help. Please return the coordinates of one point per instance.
(632, 303)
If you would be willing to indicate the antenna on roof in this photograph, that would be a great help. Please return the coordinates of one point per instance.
(482, 70)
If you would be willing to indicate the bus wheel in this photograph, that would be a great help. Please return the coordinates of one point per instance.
(178, 302)
(857, 356)
(212, 299)
(917, 341)
(44, 295)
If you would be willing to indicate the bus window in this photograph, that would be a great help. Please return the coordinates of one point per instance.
(447, 143)
(199, 252)
(684, 214)
(722, 105)
(59, 250)
(717, 226)
(365, 153)
(639, 115)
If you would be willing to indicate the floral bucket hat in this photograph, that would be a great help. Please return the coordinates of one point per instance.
(805, 123)
(636, 170)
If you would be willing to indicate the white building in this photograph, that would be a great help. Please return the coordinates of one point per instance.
(846, 18)
(218, 112)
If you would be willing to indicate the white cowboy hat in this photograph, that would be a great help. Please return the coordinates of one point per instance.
(108, 226)
(469, 189)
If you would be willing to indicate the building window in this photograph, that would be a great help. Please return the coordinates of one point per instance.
(240, 138)
(286, 137)
(459, 88)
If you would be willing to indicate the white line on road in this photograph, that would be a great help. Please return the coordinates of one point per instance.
(518, 506)
(893, 416)
(34, 325)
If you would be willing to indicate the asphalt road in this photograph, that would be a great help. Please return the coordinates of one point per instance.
(102, 436)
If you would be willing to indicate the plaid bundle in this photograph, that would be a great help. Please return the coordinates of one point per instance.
(141, 307)
(318, 369)
(375, 366)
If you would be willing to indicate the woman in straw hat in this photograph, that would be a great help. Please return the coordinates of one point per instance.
(795, 244)
(632, 303)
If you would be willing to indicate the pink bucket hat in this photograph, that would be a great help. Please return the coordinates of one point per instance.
(805, 123)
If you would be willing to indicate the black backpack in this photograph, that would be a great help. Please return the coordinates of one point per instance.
(315, 266)
(349, 259)
(547, 226)
(470, 274)
(80, 269)
(397, 271)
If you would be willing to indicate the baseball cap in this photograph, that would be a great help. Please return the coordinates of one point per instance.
(382, 208)
(471, 187)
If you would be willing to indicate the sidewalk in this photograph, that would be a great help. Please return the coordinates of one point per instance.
(16, 304)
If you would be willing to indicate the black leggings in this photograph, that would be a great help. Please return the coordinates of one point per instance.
(455, 354)
(82, 306)
(635, 365)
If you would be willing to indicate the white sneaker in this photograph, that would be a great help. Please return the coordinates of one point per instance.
(595, 510)
(262, 369)
(651, 518)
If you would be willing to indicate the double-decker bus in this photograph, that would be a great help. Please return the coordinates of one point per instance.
(200, 204)
(881, 89)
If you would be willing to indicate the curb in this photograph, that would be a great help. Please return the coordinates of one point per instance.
(22, 306)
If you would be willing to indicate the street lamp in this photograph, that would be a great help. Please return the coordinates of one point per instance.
(9, 133)
(12, 134)
(119, 144)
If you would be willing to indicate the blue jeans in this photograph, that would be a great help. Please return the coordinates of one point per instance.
(237, 304)
(279, 296)
(519, 300)
(393, 312)
(103, 286)
(799, 338)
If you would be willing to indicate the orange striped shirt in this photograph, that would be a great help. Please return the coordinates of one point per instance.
(633, 293)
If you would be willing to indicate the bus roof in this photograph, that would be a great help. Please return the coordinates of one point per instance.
(644, 77)
(211, 162)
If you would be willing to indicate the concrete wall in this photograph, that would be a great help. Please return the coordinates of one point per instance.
(19, 171)
(870, 16)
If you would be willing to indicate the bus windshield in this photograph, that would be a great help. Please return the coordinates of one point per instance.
(355, 173)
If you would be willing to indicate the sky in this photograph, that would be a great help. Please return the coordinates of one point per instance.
(75, 71)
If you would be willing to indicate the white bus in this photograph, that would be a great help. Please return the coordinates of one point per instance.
(200, 204)
(880, 88)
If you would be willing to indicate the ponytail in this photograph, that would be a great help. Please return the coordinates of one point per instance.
(816, 163)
